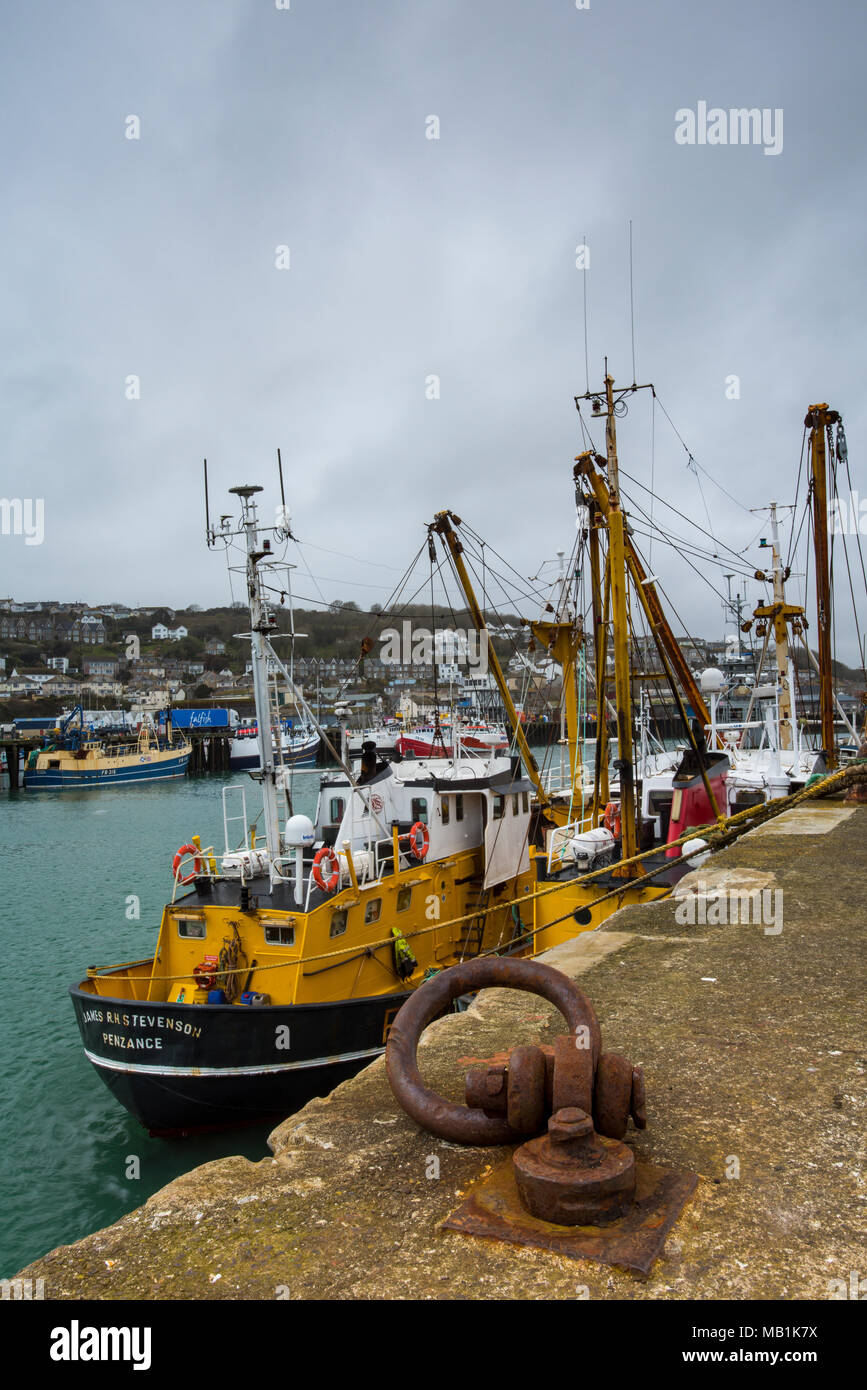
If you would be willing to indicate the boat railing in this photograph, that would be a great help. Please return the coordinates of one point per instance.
(235, 790)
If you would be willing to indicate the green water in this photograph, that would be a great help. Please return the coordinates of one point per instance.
(70, 863)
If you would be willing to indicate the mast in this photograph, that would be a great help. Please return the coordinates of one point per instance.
(780, 613)
(819, 419)
(563, 639)
(600, 654)
(616, 588)
(261, 623)
(442, 524)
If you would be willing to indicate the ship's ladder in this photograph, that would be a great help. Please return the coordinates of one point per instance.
(275, 719)
(470, 944)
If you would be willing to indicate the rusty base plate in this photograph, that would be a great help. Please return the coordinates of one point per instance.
(633, 1241)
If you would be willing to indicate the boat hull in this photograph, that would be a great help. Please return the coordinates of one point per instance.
(143, 769)
(244, 753)
(183, 1068)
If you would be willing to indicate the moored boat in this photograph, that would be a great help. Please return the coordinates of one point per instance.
(76, 757)
(282, 960)
(298, 745)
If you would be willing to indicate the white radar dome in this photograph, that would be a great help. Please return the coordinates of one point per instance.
(712, 681)
(299, 831)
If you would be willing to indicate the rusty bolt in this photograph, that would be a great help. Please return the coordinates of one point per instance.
(486, 1089)
(573, 1176)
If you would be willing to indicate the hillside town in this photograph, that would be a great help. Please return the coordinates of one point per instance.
(55, 655)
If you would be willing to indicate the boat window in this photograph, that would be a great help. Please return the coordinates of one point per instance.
(499, 807)
(280, 936)
(419, 809)
(515, 804)
(445, 810)
(526, 802)
(338, 922)
(372, 911)
(459, 807)
(338, 806)
(194, 929)
(404, 898)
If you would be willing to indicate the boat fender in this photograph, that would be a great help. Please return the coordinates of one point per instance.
(419, 840)
(404, 960)
(325, 857)
(197, 863)
(612, 819)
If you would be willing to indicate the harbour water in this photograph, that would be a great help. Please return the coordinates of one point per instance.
(77, 867)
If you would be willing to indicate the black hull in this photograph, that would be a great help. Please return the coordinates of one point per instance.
(183, 1069)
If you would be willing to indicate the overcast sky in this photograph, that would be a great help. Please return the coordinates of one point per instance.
(408, 256)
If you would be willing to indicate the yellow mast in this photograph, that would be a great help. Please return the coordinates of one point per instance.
(442, 524)
(819, 417)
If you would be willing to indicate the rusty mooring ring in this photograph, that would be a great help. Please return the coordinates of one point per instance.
(443, 1117)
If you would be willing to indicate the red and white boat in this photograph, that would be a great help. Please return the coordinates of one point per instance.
(428, 741)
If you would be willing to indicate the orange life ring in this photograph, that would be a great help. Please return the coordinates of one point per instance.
(612, 819)
(323, 854)
(197, 864)
(419, 848)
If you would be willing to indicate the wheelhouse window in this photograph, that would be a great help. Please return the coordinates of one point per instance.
(336, 808)
(404, 898)
(338, 922)
(419, 809)
(459, 807)
(498, 808)
(192, 928)
(276, 934)
(515, 804)
(372, 911)
(446, 811)
(526, 802)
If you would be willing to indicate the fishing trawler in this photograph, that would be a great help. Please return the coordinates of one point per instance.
(75, 757)
(283, 959)
(441, 738)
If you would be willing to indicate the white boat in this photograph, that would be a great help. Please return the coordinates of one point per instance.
(299, 746)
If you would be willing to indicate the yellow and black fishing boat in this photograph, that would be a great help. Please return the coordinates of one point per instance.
(282, 960)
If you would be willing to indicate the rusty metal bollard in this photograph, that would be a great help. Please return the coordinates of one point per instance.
(576, 1174)
(490, 1124)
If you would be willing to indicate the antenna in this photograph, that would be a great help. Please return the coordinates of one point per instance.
(632, 303)
(280, 467)
(586, 357)
(209, 536)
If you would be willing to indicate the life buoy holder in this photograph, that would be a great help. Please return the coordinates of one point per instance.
(612, 819)
(324, 856)
(197, 863)
(419, 840)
